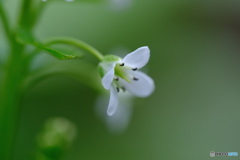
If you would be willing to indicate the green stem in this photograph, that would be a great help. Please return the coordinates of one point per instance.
(10, 101)
(6, 25)
(11, 88)
(77, 43)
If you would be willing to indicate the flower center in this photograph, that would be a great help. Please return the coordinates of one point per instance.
(120, 72)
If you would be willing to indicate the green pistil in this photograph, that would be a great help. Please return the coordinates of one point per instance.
(120, 73)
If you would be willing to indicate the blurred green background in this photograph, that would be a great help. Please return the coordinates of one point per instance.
(194, 62)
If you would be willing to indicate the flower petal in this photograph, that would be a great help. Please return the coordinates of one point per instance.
(138, 58)
(142, 87)
(108, 77)
(113, 102)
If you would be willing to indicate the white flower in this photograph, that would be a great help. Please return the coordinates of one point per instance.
(122, 74)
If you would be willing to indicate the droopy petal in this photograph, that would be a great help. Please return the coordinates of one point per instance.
(108, 77)
(113, 102)
(138, 58)
(142, 87)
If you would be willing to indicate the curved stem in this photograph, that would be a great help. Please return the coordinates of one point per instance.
(68, 69)
(43, 77)
(77, 43)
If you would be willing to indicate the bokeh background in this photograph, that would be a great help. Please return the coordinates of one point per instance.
(194, 62)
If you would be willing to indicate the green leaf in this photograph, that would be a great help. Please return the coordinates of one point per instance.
(77, 44)
(58, 54)
(60, 51)
(65, 48)
(61, 54)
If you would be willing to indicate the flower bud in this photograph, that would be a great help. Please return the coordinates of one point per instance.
(55, 139)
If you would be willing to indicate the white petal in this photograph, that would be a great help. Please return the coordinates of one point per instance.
(108, 77)
(113, 102)
(143, 87)
(138, 58)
